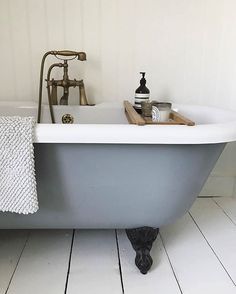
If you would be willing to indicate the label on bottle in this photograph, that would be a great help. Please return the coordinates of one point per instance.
(140, 98)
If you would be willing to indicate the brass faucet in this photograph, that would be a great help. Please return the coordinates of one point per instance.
(66, 83)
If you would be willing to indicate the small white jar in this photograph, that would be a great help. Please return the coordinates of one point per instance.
(161, 111)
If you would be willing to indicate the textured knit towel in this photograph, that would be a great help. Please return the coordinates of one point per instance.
(17, 173)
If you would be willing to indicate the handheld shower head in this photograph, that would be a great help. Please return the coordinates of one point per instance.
(81, 55)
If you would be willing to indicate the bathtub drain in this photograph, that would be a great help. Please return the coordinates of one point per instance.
(67, 119)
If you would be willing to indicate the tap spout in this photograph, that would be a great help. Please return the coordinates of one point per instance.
(64, 99)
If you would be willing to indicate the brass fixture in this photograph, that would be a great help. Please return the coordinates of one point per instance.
(67, 119)
(83, 99)
(65, 83)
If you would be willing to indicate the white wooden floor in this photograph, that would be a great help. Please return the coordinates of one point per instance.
(196, 255)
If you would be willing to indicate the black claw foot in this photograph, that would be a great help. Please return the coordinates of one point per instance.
(142, 240)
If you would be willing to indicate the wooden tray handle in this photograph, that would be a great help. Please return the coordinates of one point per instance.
(132, 116)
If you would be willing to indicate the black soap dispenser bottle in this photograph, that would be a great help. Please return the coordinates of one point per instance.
(141, 94)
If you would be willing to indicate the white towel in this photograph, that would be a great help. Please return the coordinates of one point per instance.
(17, 172)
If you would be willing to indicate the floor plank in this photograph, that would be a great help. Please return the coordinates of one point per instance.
(195, 265)
(219, 230)
(12, 243)
(194, 255)
(43, 264)
(228, 205)
(94, 265)
(160, 278)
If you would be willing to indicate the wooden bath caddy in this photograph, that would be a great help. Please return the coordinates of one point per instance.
(135, 118)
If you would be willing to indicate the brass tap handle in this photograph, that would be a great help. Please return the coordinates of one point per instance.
(81, 55)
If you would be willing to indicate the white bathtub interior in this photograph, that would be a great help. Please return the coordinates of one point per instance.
(98, 114)
(111, 113)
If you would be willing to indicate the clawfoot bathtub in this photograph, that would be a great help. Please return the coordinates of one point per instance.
(101, 172)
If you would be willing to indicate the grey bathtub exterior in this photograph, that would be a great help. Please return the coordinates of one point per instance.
(115, 185)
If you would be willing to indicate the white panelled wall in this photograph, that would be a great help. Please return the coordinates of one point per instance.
(187, 48)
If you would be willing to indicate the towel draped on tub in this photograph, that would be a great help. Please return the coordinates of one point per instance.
(17, 169)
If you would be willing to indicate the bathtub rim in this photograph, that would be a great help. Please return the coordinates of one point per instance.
(131, 134)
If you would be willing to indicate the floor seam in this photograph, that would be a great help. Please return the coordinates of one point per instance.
(228, 216)
(212, 249)
(119, 263)
(18, 261)
(69, 262)
(172, 268)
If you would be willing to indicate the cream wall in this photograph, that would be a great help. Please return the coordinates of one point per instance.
(187, 47)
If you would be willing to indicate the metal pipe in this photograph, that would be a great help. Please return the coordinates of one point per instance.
(41, 84)
(48, 89)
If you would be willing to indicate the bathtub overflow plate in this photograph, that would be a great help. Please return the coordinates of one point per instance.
(67, 119)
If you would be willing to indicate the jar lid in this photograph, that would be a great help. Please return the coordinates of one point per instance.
(162, 104)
